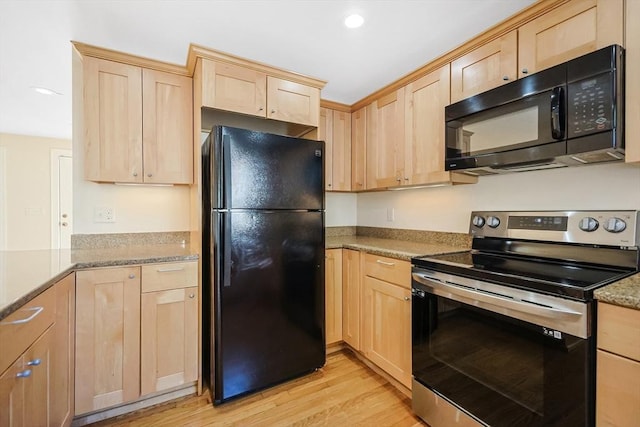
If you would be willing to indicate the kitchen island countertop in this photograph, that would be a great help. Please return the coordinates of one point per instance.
(26, 274)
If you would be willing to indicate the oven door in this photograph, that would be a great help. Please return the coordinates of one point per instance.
(500, 369)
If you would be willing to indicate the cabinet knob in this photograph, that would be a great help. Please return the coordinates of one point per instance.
(505, 78)
(328, 185)
(273, 111)
(192, 296)
(132, 276)
(407, 298)
(24, 374)
(135, 174)
(34, 362)
(398, 179)
(149, 175)
(525, 71)
(406, 179)
(261, 109)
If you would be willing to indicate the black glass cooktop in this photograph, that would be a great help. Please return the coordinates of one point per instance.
(573, 280)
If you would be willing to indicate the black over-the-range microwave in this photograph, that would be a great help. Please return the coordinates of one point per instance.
(571, 114)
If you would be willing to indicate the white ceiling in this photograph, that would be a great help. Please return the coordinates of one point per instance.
(306, 36)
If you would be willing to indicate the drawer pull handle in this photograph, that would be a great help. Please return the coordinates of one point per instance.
(24, 374)
(36, 311)
(167, 270)
(34, 362)
(390, 264)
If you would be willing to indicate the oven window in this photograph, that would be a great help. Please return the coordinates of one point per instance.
(501, 370)
(512, 128)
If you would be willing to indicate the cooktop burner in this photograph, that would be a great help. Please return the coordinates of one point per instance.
(564, 253)
(555, 278)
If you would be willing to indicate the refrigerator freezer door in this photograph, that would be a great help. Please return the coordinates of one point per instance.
(270, 311)
(258, 170)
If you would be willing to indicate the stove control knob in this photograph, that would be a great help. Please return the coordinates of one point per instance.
(615, 225)
(493, 221)
(589, 224)
(478, 221)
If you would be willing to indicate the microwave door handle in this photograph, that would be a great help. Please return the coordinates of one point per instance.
(557, 112)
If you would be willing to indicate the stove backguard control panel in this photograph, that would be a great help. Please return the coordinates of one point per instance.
(608, 228)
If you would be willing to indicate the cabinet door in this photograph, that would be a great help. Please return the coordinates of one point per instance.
(333, 296)
(488, 66)
(292, 102)
(385, 141)
(12, 398)
(351, 297)
(113, 121)
(341, 156)
(64, 352)
(169, 349)
(107, 338)
(424, 127)
(234, 88)
(38, 388)
(387, 328)
(358, 148)
(617, 391)
(325, 133)
(568, 31)
(168, 128)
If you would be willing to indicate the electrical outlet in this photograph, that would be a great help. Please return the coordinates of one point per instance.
(103, 214)
(391, 214)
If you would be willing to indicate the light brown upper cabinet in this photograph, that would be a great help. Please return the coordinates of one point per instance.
(568, 31)
(241, 89)
(335, 130)
(137, 123)
(358, 149)
(385, 141)
(491, 65)
(425, 100)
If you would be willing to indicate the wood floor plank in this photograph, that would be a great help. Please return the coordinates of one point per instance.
(343, 392)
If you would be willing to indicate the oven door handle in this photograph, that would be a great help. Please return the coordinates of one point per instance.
(476, 297)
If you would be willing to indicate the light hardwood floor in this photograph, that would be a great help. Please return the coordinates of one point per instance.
(343, 393)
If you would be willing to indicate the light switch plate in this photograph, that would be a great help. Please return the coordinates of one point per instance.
(103, 214)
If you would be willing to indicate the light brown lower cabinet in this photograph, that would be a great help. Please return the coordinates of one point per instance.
(333, 296)
(136, 332)
(618, 367)
(387, 316)
(351, 297)
(35, 383)
(107, 337)
(169, 347)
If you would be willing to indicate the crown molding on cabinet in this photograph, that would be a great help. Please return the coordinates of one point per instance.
(324, 103)
(197, 51)
(498, 30)
(126, 58)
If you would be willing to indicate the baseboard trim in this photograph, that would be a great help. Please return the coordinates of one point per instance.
(143, 403)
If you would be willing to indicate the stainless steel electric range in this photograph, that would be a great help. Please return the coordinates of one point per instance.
(506, 331)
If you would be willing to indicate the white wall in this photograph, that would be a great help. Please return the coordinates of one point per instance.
(340, 209)
(27, 203)
(606, 186)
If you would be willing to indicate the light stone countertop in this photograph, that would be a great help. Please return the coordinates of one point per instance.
(625, 292)
(26, 274)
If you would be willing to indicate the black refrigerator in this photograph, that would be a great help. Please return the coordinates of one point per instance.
(263, 260)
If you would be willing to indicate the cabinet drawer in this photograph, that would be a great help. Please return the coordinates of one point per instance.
(619, 330)
(388, 269)
(160, 277)
(21, 329)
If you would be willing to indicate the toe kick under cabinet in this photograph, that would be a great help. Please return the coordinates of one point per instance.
(136, 333)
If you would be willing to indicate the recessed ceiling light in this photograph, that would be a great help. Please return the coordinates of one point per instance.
(45, 91)
(354, 21)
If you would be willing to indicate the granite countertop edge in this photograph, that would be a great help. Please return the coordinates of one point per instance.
(624, 293)
(38, 289)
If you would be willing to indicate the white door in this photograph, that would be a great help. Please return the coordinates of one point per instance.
(61, 199)
(3, 200)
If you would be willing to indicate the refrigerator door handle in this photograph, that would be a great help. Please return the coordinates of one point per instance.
(226, 279)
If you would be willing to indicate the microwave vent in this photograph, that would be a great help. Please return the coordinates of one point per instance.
(536, 167)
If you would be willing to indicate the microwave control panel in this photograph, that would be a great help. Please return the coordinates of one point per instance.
(590, 105)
